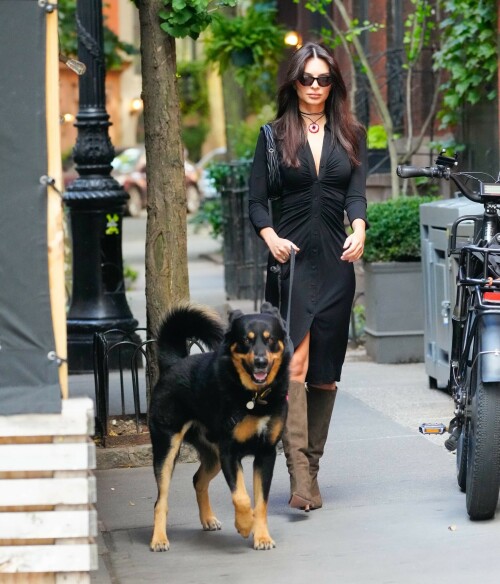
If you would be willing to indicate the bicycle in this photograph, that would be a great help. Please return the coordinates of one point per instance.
(474, 379)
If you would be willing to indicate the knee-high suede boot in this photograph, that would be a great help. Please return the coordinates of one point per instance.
(320, 404)
(295, 444)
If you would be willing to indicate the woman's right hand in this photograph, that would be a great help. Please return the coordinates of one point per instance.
(279, 248)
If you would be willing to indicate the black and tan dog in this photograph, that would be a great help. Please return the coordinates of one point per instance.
(228, 403)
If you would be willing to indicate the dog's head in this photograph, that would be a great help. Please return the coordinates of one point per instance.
(257, 346)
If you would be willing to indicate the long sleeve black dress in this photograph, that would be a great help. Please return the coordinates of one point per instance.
(312, 217)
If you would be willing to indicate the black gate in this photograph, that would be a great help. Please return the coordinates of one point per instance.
(245, 254)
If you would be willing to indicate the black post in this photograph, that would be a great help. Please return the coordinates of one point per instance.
(96, 204)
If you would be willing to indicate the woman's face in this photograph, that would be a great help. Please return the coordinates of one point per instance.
(312, 98)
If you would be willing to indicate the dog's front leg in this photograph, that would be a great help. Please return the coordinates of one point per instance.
(263, 468)
(243, 515)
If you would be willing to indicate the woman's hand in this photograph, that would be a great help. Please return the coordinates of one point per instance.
(279, 248)
(354, 245)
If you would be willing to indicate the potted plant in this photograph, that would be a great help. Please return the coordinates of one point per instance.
(252, 44)
(394, 296)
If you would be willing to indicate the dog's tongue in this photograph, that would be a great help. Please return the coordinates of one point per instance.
(260, 377)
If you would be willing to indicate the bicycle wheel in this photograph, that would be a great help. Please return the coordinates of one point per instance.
(483, 449)
(462, 448)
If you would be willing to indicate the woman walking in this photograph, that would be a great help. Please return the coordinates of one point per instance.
(322, 163)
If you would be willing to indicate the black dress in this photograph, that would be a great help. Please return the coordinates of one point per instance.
(312, 217)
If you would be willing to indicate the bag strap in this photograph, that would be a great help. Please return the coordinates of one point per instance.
(273, 170)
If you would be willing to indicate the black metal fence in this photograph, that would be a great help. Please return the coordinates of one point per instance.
(245, 254)
(127, 351)
(133, 382)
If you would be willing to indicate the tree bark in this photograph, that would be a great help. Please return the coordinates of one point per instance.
(167, 281)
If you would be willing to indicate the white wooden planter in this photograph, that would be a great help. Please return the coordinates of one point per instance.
(48, 520)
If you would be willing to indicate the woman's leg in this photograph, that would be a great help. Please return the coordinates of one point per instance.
(295, 439)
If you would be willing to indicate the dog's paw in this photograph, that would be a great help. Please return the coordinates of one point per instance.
(211, 524)
(159, 545)
(263, 543)
(243, 523)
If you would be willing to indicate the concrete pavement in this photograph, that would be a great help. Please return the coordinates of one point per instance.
(392, 510)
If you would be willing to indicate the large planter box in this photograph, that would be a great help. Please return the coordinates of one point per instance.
(394, 311)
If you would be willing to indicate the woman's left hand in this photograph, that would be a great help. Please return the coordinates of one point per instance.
(354, 245)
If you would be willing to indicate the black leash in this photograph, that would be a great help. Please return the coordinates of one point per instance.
(292, 271)
(277, 270)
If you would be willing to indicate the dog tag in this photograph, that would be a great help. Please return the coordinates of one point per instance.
(250, 405)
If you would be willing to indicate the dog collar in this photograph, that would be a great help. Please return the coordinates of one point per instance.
(258, 397)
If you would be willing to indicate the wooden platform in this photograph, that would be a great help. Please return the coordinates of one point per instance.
(48, 521)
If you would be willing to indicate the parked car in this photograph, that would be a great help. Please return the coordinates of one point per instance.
(69, 169)
(205, 183)
(129, 169)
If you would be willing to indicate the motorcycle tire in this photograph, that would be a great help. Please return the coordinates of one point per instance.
(483, 449)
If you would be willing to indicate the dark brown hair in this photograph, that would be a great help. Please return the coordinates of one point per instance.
(288, 125)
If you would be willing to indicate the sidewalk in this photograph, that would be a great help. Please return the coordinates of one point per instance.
(392, 511)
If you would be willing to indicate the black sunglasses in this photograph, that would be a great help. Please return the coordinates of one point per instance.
(307, 80)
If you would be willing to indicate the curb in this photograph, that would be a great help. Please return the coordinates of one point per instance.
(136, 456)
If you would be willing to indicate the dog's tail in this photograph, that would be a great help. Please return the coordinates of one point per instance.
(182, 324)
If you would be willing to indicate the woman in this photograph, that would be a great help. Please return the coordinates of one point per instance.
(322, 156)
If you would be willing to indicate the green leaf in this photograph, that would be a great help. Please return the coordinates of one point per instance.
(468, 52)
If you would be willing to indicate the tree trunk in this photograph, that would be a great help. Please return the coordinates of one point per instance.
(167, 280)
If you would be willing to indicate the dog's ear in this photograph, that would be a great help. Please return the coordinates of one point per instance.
(268, 308)
(234, 314)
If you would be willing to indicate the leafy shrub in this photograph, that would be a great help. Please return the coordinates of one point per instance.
(255, 36)
(376, 137)
(394, 233)
(209, 215)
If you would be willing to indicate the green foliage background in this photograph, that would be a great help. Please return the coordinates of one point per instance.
(193, 94)
(182, 18)
(468, 53)
(257, 35)
(115, 50)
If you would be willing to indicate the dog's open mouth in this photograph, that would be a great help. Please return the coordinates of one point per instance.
(259, 377)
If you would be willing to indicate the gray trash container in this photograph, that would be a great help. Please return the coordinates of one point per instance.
(439, 276)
